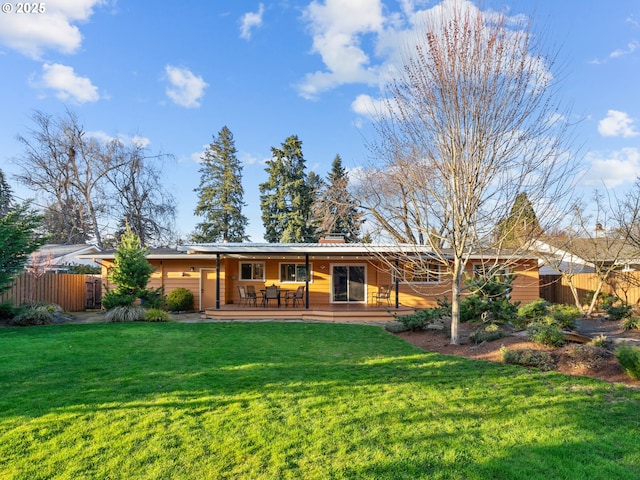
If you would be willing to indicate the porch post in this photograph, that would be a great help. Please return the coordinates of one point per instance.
(306, 282)
(217, 281)
(397, 284)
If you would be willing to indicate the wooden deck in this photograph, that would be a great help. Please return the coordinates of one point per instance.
(333, 313)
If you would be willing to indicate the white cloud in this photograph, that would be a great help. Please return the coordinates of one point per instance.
(54, 29)
(248, 159)
(620, 52)
(368, 106)
(185, 89)
(631, 47)
(104, 137)
(67, 85)
(340, 29)
(617, 124)
(249, 21)
(337, 28)
(622, 166)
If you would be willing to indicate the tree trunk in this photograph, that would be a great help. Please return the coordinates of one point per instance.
(594, 300)
(574, 292)
(456, 290)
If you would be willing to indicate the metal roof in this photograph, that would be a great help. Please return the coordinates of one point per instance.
(302, 248)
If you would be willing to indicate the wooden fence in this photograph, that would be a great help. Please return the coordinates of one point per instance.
(73, 292)
(624, 285)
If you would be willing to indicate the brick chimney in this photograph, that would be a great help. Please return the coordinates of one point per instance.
(332, 238)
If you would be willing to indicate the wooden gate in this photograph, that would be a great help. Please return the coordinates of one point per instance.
(92, 292)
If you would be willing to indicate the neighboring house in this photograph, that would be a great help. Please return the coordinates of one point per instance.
(585, 255)
(58, 257)
(341, 276)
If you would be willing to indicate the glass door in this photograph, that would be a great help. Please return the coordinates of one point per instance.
(348, 283)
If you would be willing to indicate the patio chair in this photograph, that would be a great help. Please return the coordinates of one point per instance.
(384, 293)
(271, 293)
(253, 296)
(296, 296)
(242, 291)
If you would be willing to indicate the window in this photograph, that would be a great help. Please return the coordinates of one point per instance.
(422, 272)
(490, 270)
(293, 272)
(252, 271)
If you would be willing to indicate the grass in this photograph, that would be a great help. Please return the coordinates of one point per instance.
(290, 401)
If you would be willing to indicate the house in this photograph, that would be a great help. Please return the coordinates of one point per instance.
(58, 257)
(339, 279)
(585, 255)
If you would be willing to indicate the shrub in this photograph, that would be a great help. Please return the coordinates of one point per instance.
(128, 313)
(604, 300)
(631, 323)
(488, 334)
(179, 300)
(8, 311)
(629, 359)
(156, 315)
(546, 332)
(618, 312)
(564, 315)
(34, 315)
(600, 341)
(154, 298)
(529, 358)
(532, 310)
(589, 356)
(419, 319)
(489, 301)
(113, 299)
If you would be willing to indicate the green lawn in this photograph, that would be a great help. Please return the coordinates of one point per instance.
(293, 400)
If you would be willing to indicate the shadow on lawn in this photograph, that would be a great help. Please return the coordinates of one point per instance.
(439, 406)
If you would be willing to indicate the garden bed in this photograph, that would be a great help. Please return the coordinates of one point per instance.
(607, 369)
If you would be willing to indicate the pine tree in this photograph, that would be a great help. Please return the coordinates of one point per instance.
(6, 196)
(521, 224)
(18, 240)
(131, 270)
(336, 210)
(288, 195)
(221, 193)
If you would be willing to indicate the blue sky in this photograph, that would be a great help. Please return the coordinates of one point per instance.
(173, 73)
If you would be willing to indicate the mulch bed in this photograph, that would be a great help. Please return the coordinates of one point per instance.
(607, 369)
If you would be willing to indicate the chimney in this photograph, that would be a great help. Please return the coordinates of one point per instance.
(332, 238)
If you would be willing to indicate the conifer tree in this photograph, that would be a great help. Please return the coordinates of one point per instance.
(288, 195)
(221, 193)
(18, 240)
(335, 209)
(521, 224)
(6, 195)
(131, 270)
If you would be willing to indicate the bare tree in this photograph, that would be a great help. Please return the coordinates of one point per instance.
(89, 186)
(139, 197)
(67, 169)
(470, 122)
(594, 242)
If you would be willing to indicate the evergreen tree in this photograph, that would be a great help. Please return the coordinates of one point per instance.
(221, 193)
(521, 224)
(336, 210)
(6, 195)
(18, 240)
(131, 271)
(287, 197)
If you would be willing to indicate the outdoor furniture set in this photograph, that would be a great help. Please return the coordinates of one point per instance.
(273, 293)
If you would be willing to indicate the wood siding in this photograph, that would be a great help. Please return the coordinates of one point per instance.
(177, 273)
(172, 274)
